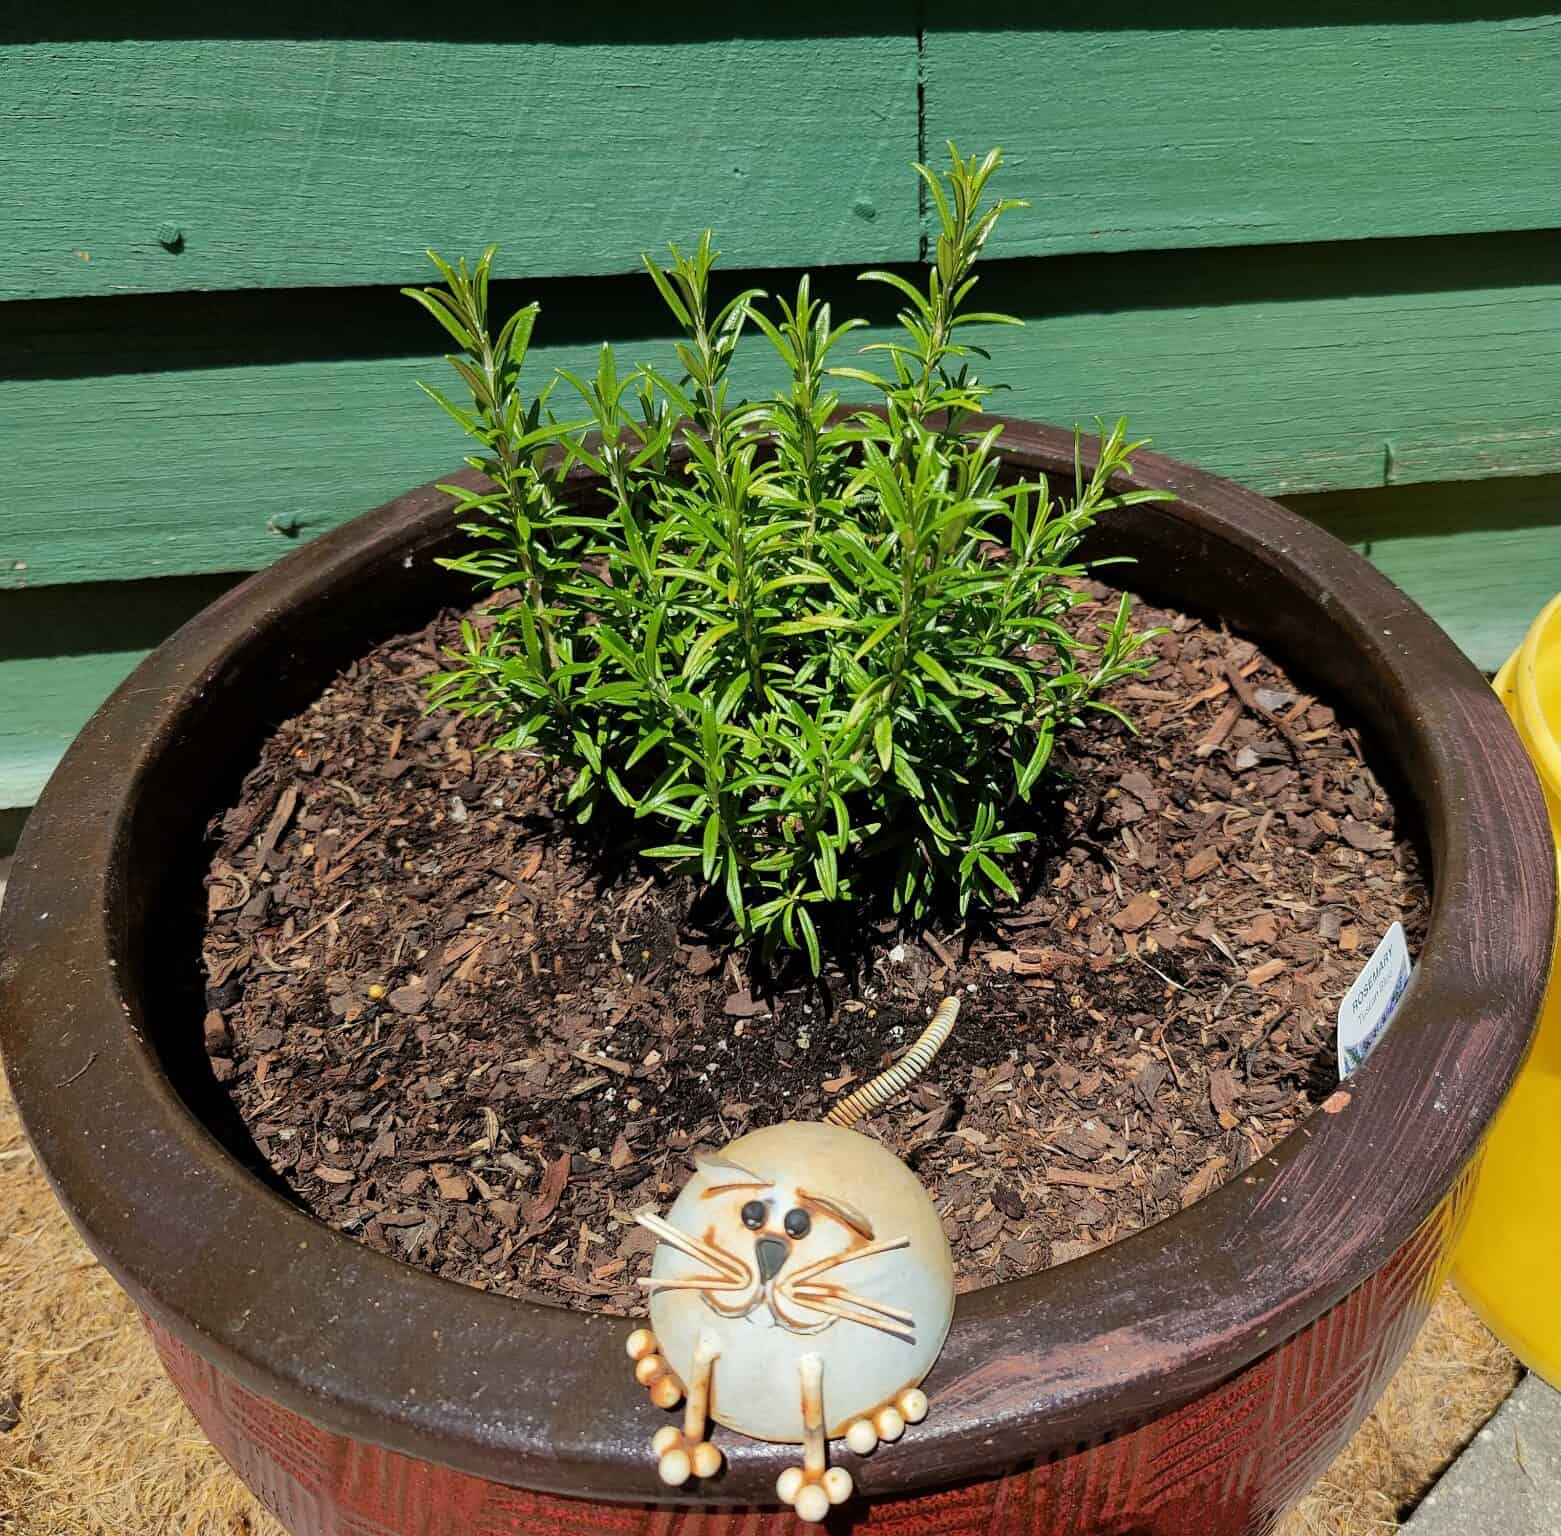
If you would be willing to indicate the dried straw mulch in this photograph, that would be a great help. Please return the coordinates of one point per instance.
(101, 1446)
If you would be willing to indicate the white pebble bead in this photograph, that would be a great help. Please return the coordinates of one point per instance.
(812, 1504)
(837, 1484)
(861, 1436)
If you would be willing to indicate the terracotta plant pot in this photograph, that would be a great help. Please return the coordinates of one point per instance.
(1192, 1378)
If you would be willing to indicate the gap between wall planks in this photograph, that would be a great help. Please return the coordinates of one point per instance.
(225, 427)
(1482, 557)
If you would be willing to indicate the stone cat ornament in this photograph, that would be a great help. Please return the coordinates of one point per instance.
(800, 1291)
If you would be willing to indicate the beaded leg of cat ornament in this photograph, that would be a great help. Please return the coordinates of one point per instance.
(811, 1488)
(910, 1407)
(652, 1371)
(680, 1453)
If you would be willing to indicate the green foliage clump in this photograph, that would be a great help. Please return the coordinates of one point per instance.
(820, 649)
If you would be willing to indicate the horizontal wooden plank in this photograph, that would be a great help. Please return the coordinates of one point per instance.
(230, 426)
(183, 434)
(1482, 558)
(239, 429)
(181, 150)
(1147, 125)
(1301, 368)
(62, 652)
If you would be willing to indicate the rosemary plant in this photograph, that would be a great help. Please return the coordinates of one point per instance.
(818, 647)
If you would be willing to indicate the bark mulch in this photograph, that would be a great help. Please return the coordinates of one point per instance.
(474, 1040)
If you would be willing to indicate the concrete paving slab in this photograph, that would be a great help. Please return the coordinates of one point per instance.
(1508, 1481)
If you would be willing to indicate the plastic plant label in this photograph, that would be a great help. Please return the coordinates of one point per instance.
(1370, 1004)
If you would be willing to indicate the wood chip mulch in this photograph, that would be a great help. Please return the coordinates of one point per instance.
(474, 1041)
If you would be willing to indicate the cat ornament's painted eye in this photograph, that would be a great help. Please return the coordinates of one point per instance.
(800, 1291)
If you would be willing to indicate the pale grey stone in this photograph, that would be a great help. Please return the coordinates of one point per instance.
(1508, 1481)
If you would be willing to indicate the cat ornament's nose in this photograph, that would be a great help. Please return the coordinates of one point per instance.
(772, 1253)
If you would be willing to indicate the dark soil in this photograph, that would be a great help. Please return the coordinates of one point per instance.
(479, 1043)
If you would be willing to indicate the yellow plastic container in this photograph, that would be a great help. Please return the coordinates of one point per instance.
(1509, 1262)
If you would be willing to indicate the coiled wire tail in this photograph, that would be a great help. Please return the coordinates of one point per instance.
(873, 1095)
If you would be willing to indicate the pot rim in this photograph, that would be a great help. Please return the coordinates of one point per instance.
(536, 1396)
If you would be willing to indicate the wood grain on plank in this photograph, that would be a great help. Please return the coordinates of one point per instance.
(1166, 126)
(171, 162)
(226, 427)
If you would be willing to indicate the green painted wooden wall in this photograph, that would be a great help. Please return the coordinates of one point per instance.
(1313, 247)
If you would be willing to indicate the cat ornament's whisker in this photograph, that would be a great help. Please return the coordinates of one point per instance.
(718, 1260)
(655, 1286)
(834, 1261)
(852, 1299)
(845, 1315)
(837, 1307)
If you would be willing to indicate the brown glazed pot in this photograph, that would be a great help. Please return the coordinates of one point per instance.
(1188, 1381)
